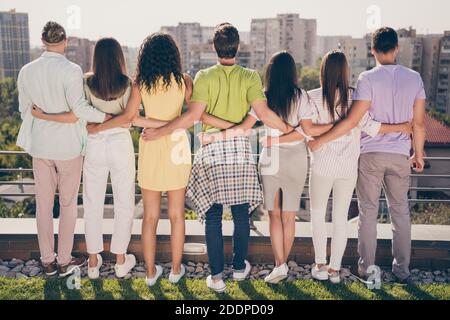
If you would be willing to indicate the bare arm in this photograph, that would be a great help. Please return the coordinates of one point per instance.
(65, 117)
(269, 117)
(185, 121)
(358, 110)
(216, 122)
(242, 129)
(148, 123)
(128, 115)
(294, 136)
(314, 130)
(391, 128)
(419, 135)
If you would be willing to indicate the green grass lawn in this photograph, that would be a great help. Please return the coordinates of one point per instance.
(55, 289)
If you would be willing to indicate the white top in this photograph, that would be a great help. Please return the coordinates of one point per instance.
(54, 84)
(301, 111)
(338, 158)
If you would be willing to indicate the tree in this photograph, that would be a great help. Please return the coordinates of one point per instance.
(8, 99)
(310, 78)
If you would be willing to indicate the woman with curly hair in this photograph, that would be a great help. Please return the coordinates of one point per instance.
(165, 163)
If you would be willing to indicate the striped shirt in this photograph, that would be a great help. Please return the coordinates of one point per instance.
(338, 158)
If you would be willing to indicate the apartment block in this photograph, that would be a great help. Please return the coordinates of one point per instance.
(188, 35)
(443, 73)
(356, 51)
(285, 32)
(430, 64)
(203, 55)
(14, 43)
(80, 51)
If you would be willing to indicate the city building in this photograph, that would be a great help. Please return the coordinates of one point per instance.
(411, 49)
(203, 55)
(14, 43)
(188, 35)
(442, 102)
(430, 63)
(80, 51)
(285, 32)
(356, 51)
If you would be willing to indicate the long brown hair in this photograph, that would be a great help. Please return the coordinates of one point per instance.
(334, 78)
(281, 82)
(109, 78)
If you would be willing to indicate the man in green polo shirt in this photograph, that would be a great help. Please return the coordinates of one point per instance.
(224, 172)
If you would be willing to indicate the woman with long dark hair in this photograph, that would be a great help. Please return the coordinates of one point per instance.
(283, 161)
(165, 163)
(334, 167)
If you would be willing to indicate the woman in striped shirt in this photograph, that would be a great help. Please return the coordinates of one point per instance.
(334, 167)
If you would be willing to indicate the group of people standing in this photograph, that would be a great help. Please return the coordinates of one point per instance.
(357, 138)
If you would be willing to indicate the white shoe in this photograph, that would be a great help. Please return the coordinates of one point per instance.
(174, 278)
(319, 273)
(152, 281)
(239, 276)
(217, 286)
(278, 274)
(94, 272)
(334, 277)
(123, 269)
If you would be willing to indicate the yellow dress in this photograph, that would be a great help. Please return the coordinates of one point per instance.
(164, 164)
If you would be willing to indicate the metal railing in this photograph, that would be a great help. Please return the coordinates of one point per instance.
(22, 171)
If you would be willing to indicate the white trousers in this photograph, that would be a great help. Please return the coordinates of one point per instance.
(320, 188)
(109, 152)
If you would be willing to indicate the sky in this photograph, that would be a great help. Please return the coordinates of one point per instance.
(130, 21)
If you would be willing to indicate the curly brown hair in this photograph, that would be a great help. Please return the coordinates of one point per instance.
(159, 58)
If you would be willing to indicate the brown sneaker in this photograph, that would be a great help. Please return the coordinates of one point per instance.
(75, 263)
(50, 269)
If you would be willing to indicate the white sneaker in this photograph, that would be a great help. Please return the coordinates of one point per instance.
(334, 277)
(278, 274)
(94, 272)
(123, 269)
(239, 276)
(217, 286)
(319, 273)
(152, 281)
(174, 278)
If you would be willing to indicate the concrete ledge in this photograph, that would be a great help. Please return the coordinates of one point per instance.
(431, 244)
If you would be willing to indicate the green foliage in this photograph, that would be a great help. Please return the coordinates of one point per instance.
(310, 78)
(8, 98)
(190, 215)
(22, 209)
(195, 289)
(431, 213)
(445, 118)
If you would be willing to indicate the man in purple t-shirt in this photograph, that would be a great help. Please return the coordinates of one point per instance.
(391, 94)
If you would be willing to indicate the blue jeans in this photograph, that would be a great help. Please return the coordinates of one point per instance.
(214, 238)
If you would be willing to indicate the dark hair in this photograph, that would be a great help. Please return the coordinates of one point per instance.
(53, 33)
(334, 78)
(384, 40)
(281, 82)
(109, 79)
(159, 57)
(226, 40)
